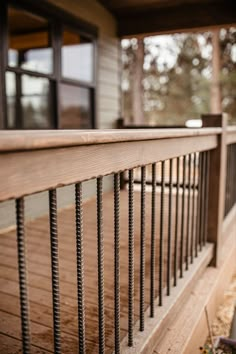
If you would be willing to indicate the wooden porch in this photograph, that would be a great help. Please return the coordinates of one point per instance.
(38, 239)
(174, 220)
(40, 293)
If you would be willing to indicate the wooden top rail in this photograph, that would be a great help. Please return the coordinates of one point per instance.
(231, 135)
(44, 139)
(36, 161)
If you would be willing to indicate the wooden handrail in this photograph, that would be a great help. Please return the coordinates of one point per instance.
(44, 139)
(43, 166)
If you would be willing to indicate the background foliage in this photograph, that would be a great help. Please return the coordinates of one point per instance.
(176, 76)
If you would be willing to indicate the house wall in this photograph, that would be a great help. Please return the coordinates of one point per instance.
(107, 102)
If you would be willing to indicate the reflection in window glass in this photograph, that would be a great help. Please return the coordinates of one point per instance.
(11, 99)
(77, 57)
(75, 107)
(35, 102)
(29, 44)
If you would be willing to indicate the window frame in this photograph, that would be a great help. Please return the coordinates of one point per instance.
(58, 19)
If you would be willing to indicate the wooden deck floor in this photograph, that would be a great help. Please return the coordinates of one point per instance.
(38, 248)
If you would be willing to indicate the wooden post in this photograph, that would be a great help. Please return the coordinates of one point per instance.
(217, 179)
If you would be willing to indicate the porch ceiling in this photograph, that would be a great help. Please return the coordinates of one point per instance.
(138, 17)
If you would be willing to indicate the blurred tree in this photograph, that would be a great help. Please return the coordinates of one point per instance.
(177, 72)
(228, 72)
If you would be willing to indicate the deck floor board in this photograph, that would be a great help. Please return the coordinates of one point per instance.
(38, 256)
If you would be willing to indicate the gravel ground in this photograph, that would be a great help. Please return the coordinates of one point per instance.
(222, 323)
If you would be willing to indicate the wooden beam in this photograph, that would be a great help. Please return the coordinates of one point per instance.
(29, 41)
(178, 18)
(217, 178)
(28, 172)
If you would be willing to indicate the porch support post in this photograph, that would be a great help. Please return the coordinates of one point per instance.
(217, 180)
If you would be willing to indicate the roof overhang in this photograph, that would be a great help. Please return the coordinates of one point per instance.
(141, 17)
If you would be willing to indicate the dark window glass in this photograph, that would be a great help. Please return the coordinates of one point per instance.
(29, 42)
(77, 57)
(28, 102)
(35, 102)
(75, 107)
(32, 83)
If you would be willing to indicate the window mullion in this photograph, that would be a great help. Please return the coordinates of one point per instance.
(3, 64)
(56, 37)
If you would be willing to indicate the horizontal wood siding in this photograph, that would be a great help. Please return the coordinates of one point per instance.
(108, 96)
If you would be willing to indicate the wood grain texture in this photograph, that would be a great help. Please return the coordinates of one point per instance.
(36, 139)
(27, 172)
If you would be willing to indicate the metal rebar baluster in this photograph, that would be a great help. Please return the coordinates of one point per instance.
(202, 211)
(228, 179)
(23, 281)
(80, 266)
(176, 223)
(117, 260)
(227, 184)
(188, 212)
(169, 228)
(182, 220)
(55, 270)
(193, 228)
(234, 172)
(234, 177)
(198, 222)
(231, 175)
(131, 260)
(100, 255)
(161, 233)
(207, 163)
(152, 249)
(142, 248)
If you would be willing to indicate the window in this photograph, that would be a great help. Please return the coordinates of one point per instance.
(75, 107)
(49, 79)
(77, 57)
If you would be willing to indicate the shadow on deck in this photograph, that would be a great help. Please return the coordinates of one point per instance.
(38, 249)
